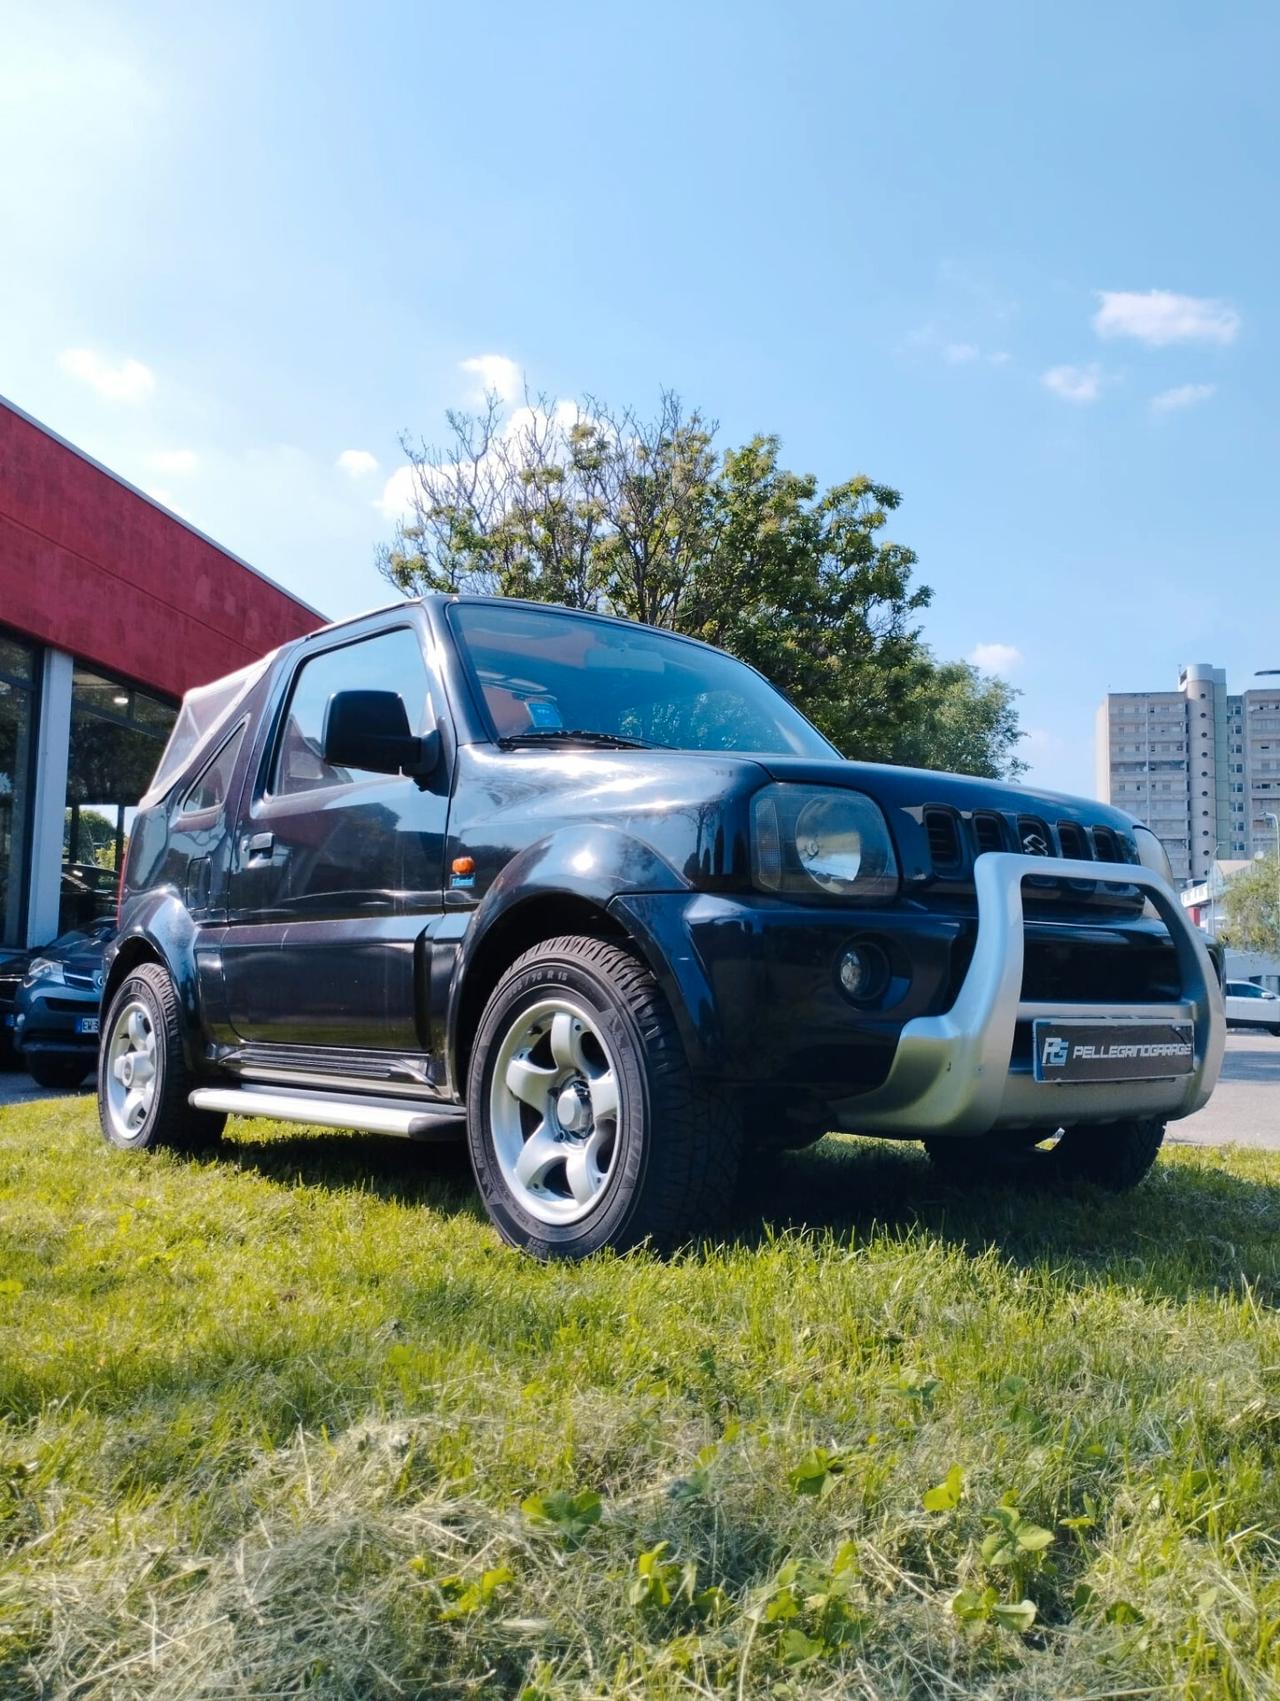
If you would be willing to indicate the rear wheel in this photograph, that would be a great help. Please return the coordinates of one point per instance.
(48, 1069)
(585, 1125)
(143, 1079)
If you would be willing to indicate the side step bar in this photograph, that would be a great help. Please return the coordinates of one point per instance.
(334, 1110)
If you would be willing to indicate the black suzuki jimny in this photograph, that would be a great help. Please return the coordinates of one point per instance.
(605, 893)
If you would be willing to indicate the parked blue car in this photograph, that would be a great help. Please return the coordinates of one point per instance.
(56, 1007)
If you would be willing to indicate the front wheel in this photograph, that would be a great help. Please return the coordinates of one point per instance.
(585, 1125)
(143, 1079)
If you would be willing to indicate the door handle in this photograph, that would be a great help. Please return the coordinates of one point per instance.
(259, 844)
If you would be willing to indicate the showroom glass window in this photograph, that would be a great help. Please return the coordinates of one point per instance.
(17, 722)
(117, 735)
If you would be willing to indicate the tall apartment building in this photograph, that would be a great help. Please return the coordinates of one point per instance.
(1201, 767)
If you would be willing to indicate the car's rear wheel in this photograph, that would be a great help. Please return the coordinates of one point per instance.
(57, 1071)
(143, 1079)
(585, 1125)
(1114, 1155)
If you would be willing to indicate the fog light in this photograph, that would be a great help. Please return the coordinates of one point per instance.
(862, 971)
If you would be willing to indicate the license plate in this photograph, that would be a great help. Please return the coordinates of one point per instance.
(1113, 1051)
(86, 1025)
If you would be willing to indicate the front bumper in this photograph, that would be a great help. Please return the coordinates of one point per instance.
(50, 1017)
(751, 981)
(963, 1072)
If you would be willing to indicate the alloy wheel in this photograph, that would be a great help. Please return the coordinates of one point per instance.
(555, 1110)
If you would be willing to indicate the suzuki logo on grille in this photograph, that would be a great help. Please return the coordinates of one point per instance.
(1035, 844)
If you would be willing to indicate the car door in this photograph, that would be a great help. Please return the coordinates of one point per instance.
(1245, 1003)
(321, 950)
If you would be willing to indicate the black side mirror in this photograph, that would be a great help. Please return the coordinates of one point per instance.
(370, 729)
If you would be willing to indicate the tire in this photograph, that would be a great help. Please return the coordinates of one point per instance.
(581, 1028)
(1114, 1155)
(138, 1111)
(56, 1072)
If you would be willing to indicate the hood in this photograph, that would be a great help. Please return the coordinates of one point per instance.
(915, 788)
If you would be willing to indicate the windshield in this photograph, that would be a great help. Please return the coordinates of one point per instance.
(547, 674)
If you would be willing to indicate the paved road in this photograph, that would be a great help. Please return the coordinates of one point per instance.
(1245, 1109)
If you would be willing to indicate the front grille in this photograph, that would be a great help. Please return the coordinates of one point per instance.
(1034, 837)
(956, 840)
(944, 838)
(988, 833)
(1074, 841)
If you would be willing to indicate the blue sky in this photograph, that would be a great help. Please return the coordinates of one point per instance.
(920, 242)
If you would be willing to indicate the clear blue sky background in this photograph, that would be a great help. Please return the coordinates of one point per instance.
(882, 231)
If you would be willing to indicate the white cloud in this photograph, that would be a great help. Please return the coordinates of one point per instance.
(496, 373)
(957, 354)
(398, 493)
(180, 461)
(1181, 396)
(1159, 317)
(1001, 357)
(995, 658)
(1080, 384)
(125, 381)
(357, 463)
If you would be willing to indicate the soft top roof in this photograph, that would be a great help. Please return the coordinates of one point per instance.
(206, 711)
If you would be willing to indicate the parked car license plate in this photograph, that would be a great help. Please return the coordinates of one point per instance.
(1112, 1051)
(86, 1024)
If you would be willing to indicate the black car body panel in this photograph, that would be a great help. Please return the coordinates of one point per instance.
(351, 933)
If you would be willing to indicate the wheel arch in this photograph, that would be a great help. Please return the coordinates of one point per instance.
(159, 931)
(566, 883)
(521, 926)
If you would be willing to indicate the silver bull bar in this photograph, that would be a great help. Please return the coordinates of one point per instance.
(952, 1073)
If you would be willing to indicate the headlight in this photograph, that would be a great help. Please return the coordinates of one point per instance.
(44, 968)
(807, 839)
(1153, 855)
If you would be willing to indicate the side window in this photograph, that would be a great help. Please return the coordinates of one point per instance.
(391, 661)
(210, 789)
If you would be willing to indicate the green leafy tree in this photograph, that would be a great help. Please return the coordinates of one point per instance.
(1251, 905)
(647, 519)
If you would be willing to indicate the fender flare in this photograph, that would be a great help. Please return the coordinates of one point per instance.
(601, 866)
(159, 929)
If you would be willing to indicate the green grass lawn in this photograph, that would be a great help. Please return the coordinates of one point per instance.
(291, 1421)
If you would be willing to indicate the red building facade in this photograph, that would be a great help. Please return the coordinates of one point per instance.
(110, 609)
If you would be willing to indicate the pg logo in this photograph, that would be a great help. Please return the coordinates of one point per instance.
(1054, 1054)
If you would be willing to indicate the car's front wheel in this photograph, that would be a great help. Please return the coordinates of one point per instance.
(143, 1079)
(586, 1127)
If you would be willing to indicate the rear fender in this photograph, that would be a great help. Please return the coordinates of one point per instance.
(157, 928)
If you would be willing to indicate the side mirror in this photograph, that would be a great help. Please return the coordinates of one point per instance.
(370, 729)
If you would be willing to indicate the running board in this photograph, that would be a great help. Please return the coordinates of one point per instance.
(334, 1110)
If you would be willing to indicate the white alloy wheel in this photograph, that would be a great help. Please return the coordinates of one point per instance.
(555, 1110)
(129, 1076)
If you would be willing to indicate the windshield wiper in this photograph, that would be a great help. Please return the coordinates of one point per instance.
(579, 735)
